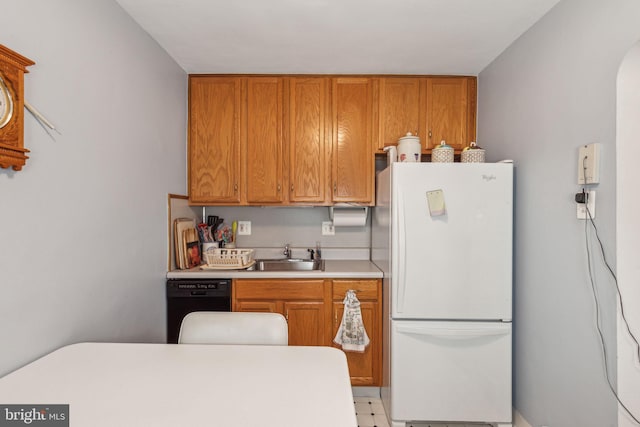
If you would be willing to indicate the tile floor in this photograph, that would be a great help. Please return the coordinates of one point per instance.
(370, 413)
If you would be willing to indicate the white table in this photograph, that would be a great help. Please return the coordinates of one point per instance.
(177, 385)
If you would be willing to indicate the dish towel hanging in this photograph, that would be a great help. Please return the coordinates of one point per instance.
(351, 333)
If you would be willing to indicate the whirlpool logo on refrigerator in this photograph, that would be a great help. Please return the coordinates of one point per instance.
(489, 178)
(37, 415)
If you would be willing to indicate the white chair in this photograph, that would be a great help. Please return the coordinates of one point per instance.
(215, 327)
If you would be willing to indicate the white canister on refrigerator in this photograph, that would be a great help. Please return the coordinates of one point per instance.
(409, 148)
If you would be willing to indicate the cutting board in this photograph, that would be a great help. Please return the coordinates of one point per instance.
(180, 225)
(192, 257)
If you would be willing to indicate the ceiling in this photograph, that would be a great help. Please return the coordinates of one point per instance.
(335, 36)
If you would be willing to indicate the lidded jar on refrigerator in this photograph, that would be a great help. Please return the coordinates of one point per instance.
(443, 153)
(409, 148)
(472, 154)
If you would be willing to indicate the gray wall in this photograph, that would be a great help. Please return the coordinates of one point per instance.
(551, 91)
(83, 225)
(300, 227)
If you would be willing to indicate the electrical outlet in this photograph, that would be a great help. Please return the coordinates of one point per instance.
(581, 210)
(244, 228)
(328, 229)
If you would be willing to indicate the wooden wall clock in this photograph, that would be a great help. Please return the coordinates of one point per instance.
(12, 69)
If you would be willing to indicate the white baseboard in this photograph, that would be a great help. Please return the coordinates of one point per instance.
(519, 421)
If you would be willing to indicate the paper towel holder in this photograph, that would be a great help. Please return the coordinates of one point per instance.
(363, 210)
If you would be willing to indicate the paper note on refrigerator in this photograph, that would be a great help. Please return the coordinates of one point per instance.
(435, 199)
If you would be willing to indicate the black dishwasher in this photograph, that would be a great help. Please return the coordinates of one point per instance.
(187, 295)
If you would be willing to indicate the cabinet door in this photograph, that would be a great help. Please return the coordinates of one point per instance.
(352, 147)
(214, 139)
(450, 111)
(401, 109)
(257, 306)
(306, 322)
(308, 118)
(263, 141)
(364, 368)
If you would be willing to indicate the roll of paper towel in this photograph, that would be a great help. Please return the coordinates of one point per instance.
(349, 217)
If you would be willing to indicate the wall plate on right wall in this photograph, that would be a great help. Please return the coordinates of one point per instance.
(589, 164)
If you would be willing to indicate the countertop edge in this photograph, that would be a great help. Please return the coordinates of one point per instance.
(334, 269)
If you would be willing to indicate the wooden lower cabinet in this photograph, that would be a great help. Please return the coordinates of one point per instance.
(301, 302)
(313, 309)
(365, 368)
(306, 322)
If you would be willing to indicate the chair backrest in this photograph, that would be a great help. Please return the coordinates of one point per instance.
(215, 327)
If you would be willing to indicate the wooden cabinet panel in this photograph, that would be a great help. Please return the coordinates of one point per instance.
(365, 289)
(214, 140)
(448, 112)
(306, 322)
(309, 158)
(302, 302)
(263, 140)
(401, 109)
(352, 147)
(364, 368)
(278, 289)
(257, 306)
(313, 309)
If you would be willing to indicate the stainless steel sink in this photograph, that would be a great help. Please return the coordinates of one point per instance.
(290, 264)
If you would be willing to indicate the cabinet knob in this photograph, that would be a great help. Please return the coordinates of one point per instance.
(235, 187)
(430, 134)
(286, 315)
(278, 187)
(292, 188)
(335, 187)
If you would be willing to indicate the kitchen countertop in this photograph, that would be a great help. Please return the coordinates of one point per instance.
(333, 269)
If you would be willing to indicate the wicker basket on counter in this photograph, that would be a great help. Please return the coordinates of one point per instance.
(230, 258)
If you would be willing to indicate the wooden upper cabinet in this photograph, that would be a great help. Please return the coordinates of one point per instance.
(287, 140)
(451, 104)
(308, 140)
(214, 139)
(401, 109)
(352, 157)
(263, 143)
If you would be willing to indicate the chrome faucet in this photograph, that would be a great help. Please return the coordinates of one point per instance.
(287, 251)
(315, 255)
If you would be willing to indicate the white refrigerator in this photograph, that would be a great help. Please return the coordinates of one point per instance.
(442, 235)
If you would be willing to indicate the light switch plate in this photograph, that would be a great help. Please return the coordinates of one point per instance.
(244, 228)
(589, 164)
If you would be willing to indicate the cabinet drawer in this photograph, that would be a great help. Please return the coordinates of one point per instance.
(365, 289)
(278, 289)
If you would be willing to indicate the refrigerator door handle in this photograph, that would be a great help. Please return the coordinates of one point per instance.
(453, 333)
(401, 241)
